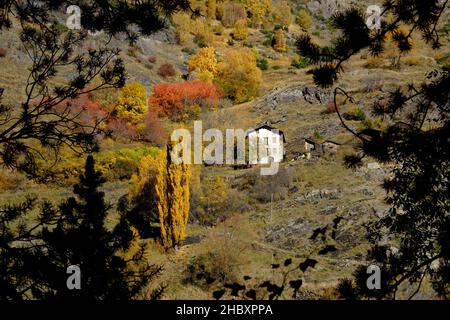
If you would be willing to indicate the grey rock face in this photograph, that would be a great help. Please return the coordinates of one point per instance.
(292, 94)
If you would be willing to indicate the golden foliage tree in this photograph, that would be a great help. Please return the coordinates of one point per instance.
(172, 198)
(304, 19)
(182, 22)
(211, 8)
(280, 41)
(204, 64)
(240, 30)
(282, 13)
(131, 104)
(232, 12)
(258, 10)
(391, 53)
(238, 75)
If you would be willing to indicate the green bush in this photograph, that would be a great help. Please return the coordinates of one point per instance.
(262, 63)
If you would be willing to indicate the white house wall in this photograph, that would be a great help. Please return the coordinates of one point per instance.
(272, 147)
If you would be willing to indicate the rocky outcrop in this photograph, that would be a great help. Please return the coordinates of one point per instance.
(292, 94)
(317, 195)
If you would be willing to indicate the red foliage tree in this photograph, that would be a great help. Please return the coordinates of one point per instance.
(154, 131)
(90, 112)
(120, 128)
(176, 100)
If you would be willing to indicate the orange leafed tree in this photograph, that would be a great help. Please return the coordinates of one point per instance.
(176, 100)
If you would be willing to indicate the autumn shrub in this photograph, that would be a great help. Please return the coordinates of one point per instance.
(304, 19)
(178, 101)
(131, 104)
(152, 59)
(238, 75)
(222, 257)
(203, 34)
(232, 12)
(11, 181)
(121, 129)
(279, 41)
(372, 123)
(276, 187)
(412, 60)
(115, 164)
(150, 129)
(240, 30)
(211, 9)
(121, 164)
(133, 51)
(87, 111)
(258, 11)
(282, 13)
(153, 130)
(166, 70)
(375, 61)
(182, 22)
(213, 200)
(3, 52)
(218, 29)
(203, 64)
(331, 108)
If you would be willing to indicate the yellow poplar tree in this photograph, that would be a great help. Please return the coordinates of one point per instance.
(172, 197)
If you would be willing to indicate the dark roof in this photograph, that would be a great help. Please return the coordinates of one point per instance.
(267, 127)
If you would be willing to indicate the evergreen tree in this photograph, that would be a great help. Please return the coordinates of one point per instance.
(419, 188)
(46, 120)
(75, 234)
